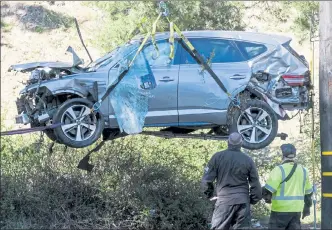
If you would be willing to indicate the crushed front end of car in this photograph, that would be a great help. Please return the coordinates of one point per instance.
(33, 104)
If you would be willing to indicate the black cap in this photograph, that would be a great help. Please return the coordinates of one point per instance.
(288, 150)
(235, 139)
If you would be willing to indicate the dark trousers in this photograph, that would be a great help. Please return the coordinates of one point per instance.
(285, 220)
(236, 216)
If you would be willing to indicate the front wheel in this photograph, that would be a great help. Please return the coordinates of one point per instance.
(256, 122)
(79, 128)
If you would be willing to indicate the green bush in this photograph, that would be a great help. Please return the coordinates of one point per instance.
(40, 189)
(122, 17)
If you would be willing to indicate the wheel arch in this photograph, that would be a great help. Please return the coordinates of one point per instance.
(243, 94)
(69, 92)
(74, 87)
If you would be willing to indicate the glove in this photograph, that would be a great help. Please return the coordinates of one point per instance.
(306, 212)
(208, 194)
(267, 195)
(209, 190)
(253, 200)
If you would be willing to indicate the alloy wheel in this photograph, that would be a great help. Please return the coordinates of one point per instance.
(255, 125)
(78, 123)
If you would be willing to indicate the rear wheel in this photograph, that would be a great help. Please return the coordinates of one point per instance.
(79, 128)
(257, 123)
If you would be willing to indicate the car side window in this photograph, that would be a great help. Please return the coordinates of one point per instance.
(251, 50)
(164, 50)
(213, 51)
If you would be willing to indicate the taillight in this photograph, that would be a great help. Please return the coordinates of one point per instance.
(294, 80)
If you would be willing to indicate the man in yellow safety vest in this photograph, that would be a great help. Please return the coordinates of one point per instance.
(289, 189)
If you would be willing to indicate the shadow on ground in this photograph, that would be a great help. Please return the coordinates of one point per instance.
(36, 18)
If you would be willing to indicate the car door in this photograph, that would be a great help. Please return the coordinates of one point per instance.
(163, 101)
(201, 101)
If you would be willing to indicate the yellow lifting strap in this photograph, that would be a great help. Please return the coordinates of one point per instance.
(97, 105)
(171, 40)
(139, 49)
(190, 46)
(153, 33)
(139, 26)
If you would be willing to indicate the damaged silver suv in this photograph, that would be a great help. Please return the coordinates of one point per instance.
(262, 71)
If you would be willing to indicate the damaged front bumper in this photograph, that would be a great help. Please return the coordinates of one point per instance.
(23, 117)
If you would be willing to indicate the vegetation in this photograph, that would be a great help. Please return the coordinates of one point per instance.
(122, 17)
(5, 27)
(138, 182)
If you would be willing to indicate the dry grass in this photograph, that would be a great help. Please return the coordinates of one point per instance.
(38, 31)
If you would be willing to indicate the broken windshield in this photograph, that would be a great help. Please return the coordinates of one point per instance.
(115, 55)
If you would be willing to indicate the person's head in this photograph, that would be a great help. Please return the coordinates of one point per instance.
(288, 152)
(235, 141)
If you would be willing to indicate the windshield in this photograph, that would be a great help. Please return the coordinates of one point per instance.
(115, 55)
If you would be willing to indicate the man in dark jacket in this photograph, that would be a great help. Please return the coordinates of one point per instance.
(233, 171)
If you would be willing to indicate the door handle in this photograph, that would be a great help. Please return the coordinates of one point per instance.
(237, 76)
(166, 79)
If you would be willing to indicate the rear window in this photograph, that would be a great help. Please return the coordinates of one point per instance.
(215, 50)
(251, 50)
(294, 53)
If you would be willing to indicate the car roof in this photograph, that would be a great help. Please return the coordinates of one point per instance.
(238, 35)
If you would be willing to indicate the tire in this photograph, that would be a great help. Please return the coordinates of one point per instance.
(77, 134)
(263, 132)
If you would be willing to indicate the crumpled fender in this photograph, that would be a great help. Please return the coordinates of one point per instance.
(57, 86)
(69, 86)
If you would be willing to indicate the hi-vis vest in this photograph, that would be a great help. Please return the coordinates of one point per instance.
(288, 196)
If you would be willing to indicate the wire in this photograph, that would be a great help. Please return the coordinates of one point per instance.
(294, 115)
(313, 126)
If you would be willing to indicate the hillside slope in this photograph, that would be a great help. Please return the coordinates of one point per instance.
(40, 31)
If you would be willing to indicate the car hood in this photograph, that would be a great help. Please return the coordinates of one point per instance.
(33, 65)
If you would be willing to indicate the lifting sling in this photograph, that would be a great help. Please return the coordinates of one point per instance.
(185, 44)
